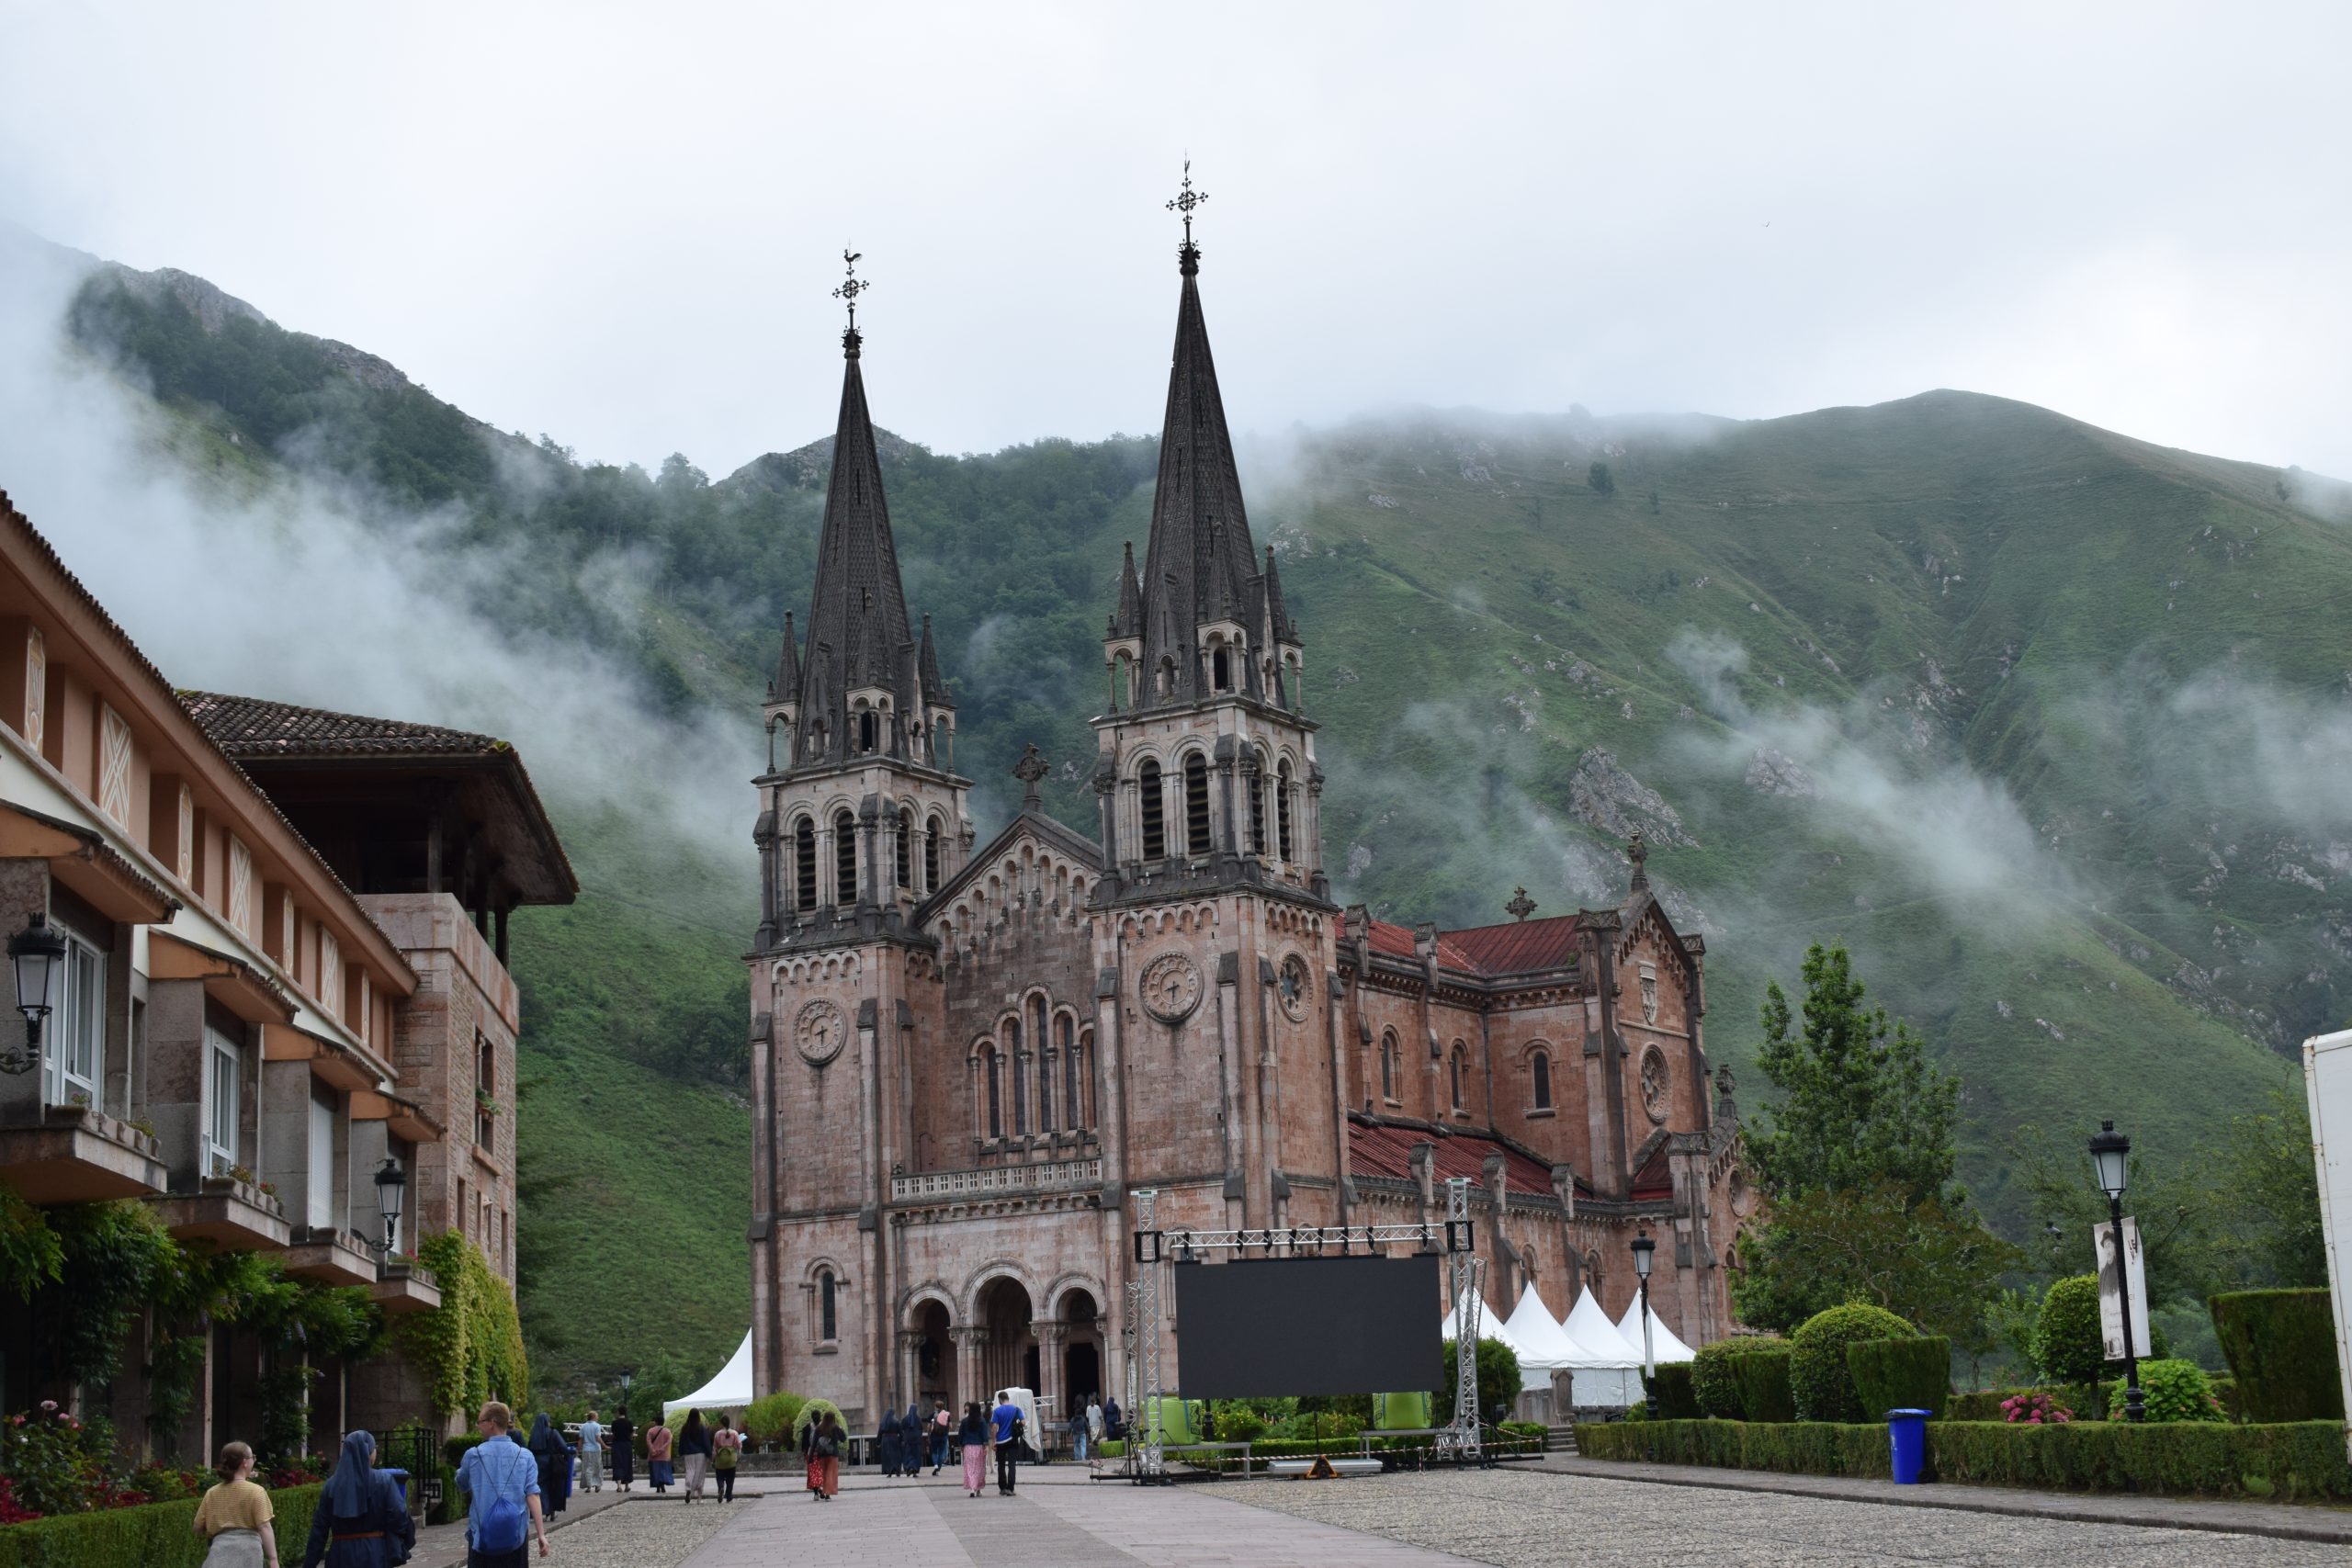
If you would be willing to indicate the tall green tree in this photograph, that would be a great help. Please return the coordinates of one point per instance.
(1857, 1161)
(1857, 1102)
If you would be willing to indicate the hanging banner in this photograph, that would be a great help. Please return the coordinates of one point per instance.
(2112, 1282)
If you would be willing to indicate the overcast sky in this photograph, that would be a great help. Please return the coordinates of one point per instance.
(620, 225)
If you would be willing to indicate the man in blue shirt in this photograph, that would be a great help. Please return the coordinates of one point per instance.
(1006, 1418)
(592, 1454)
(499, 1471)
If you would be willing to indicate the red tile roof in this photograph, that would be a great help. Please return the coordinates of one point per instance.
(250, 727)
(1654, 1179)
(1519, 946)
(1383, 1151)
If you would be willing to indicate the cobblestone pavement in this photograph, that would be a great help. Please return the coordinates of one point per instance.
(1527, 1520)
(584, 1523)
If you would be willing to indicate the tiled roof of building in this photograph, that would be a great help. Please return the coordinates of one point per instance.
(1381, 1150)
(1655, 1178)
(1517, 948)
(251, 727)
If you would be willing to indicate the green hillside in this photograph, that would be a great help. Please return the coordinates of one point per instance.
(2008, 702)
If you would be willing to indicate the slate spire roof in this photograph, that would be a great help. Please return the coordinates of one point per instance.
(1201, 555)
(859, 634)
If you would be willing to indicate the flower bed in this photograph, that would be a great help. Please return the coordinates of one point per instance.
(153, 1535)
(2303, 1459)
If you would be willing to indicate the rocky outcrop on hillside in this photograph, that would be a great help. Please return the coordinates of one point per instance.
(808, 468)
(1604, 795)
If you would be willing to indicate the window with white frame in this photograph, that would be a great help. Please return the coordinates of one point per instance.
(77, 1033)
(221, 1086)
(321, 1173)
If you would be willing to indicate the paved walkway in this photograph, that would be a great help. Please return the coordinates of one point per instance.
(2286, 1522)
(444, 1546)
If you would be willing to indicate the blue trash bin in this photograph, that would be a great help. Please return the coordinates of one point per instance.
(1908, 1431)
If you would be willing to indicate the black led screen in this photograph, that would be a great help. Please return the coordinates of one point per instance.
(1270, 1327)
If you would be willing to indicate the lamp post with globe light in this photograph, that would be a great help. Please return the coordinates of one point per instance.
(1643, 1247)
(2111, 1159)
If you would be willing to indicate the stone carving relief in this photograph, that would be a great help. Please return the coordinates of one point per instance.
(1656, 1086)
(819, 1033)
(1291, 985)
(1171, 987)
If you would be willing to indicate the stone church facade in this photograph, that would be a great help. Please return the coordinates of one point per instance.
(968, 1059)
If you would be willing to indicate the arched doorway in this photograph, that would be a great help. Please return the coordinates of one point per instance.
(1082, 1349)
(935, 1355)
(1011, 1358)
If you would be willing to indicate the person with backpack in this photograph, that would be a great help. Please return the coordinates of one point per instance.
(972, 1436)
(1006, 1420)
(726, 1450)
(940, 1423)
(501, 1480)
(361, 1520)
(825, 1441)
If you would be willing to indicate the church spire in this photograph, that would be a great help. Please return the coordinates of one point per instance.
(858, 626)
(1201, 555)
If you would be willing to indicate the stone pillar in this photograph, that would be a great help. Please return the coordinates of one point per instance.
(971, 1365)
(909, 1381)
(1051, 1337)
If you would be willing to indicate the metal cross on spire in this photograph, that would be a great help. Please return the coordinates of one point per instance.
(1187, 199)
(854, 286)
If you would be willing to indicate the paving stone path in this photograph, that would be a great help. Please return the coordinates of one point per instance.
(1516, 1518)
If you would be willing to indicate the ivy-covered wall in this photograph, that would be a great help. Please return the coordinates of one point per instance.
(470, 1349)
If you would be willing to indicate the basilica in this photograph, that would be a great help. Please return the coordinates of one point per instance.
(969, 1058)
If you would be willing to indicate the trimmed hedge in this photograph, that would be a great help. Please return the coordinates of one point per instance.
(1765, 1391)
(1817, 1374)
(153, 1535)
(1901, 1374)
(2303, 1459)
(1713, 1382)
(2282, 1346)
(1670, 1396)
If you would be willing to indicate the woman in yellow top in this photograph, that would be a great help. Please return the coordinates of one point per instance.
(235, 1516)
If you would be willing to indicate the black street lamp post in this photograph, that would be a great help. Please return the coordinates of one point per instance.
(391, 1186)
(2111, 1157)
(38, 955)
(1643, 1247)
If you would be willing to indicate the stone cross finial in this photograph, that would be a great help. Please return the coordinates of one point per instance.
(1520, 905)
(1637, 851)
(1032, 767)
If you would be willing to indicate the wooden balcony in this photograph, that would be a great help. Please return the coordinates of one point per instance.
(331, 1257)
(76, 1154)
(234, 1214)
(406, 1287)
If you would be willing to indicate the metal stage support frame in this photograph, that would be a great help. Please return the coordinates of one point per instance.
(1155, 1249)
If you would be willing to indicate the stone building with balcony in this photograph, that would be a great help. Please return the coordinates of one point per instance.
(970, 1056)
(282, 977)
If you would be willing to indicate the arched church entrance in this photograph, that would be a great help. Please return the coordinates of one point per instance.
(1081, 1350)
(935, 1355)
(1011, 1356)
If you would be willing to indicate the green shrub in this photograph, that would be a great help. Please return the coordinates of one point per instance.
(774, 1417)
(1112, 1447)
(1764, 1394)
(155, 1535)
(1981, 1405)
(810, 1414)
(1524, 1429)
(1670, 1396)
(1713, 1379)
(1498, 1383)
(2170, 1390)
(1912, 1373)
(2298, 1461)
(2068, 1344)
(2281, 1349)
(1239, 1424)
(1817, 1374)
(2225, 1389)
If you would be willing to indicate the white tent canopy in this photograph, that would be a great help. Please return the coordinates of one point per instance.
(1490, 1327)
(730, 1391)
(1612, 1372)
(1548, 1346)
(1664, 1343)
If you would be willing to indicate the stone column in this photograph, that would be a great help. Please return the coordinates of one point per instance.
(971, 1364)
(910, 1367)
(1051, 1337)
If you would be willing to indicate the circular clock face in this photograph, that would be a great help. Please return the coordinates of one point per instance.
(819, 1033)
(1292, 985)
(1171, 987)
